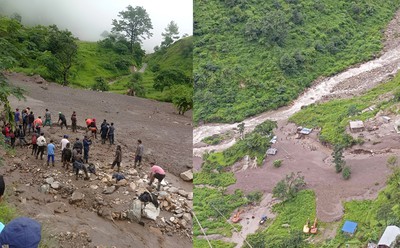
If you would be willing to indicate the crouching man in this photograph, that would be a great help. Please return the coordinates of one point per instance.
(79, 165)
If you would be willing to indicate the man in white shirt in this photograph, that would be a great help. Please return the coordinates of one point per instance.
(64, 142)
(41, 142)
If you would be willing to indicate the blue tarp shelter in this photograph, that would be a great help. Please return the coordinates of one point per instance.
(349, 227)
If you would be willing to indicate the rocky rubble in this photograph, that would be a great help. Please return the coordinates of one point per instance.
(113, 200)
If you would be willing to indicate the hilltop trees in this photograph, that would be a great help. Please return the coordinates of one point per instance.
(64, 49)
(171, 34)
(135, 24)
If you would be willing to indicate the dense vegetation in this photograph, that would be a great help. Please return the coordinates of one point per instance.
(333, 117)
(105, 65)
(252, 56)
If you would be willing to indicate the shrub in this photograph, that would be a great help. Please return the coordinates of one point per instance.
(277, 163)
(254, 196)
(392, 160)
(346, 173)
(100, 84)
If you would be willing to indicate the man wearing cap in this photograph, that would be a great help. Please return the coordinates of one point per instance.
(64, 142)
(61, 117)
(21, 232)
(47, 118)
(156, 172)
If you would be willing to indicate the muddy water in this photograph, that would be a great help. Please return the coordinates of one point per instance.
(388, 64)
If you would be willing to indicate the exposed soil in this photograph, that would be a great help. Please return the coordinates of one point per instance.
(314, 161)
(98, 220)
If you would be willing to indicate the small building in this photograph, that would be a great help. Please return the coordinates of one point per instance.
(388, 237)
(272, 151)
(386, 119)
(306, 131)
(349, 227)
(356, 126)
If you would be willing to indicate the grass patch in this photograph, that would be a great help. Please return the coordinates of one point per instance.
(202, 243)
(209, 218)
(294, 213)
(333, 116)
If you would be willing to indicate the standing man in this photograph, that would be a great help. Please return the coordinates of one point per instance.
(64, 142)
(38, 124)
(78, 145)
(34, 144)
(111, 130)
(104, 131)
(41, 142)
(139, 154)
(118, 158)
(73, 121)
(67, 155)
(24, 120)
(156, 172)
(86, 144)
(31, 119)
(47, 118)
(61, 117)
(50, 152)
(17, 118)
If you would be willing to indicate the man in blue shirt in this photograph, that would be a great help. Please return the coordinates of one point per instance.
(50, 152)
(86, 144)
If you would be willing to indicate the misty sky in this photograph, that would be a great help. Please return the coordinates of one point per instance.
(87, 19)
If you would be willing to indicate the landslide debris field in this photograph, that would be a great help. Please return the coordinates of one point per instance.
(78, 213)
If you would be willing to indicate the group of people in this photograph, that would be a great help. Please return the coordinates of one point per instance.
(25, 123)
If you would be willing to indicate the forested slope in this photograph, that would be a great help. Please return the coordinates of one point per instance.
(251, 56)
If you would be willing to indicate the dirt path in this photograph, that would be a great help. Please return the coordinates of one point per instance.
(251, 225)
(97, 219)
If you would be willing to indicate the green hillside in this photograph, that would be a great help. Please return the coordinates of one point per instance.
(178, 56)
(256, 55)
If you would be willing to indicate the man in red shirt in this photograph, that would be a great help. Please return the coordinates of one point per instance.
(156, 172)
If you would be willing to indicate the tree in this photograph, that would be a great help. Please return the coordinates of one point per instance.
(167, 78)
(7, 90)
(63, 47)
(171, 34)
(288, 187)
(338, 158)
(135, 24)
(384, 213)
(100, 84)
(182, 98)
(135, 86)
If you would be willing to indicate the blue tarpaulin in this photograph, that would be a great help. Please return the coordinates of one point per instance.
(349, 227)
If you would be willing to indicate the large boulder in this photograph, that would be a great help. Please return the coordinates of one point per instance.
(135, 210)
(150, 211)
(187, 175)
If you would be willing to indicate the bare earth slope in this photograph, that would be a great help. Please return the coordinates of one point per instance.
(99, 220)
